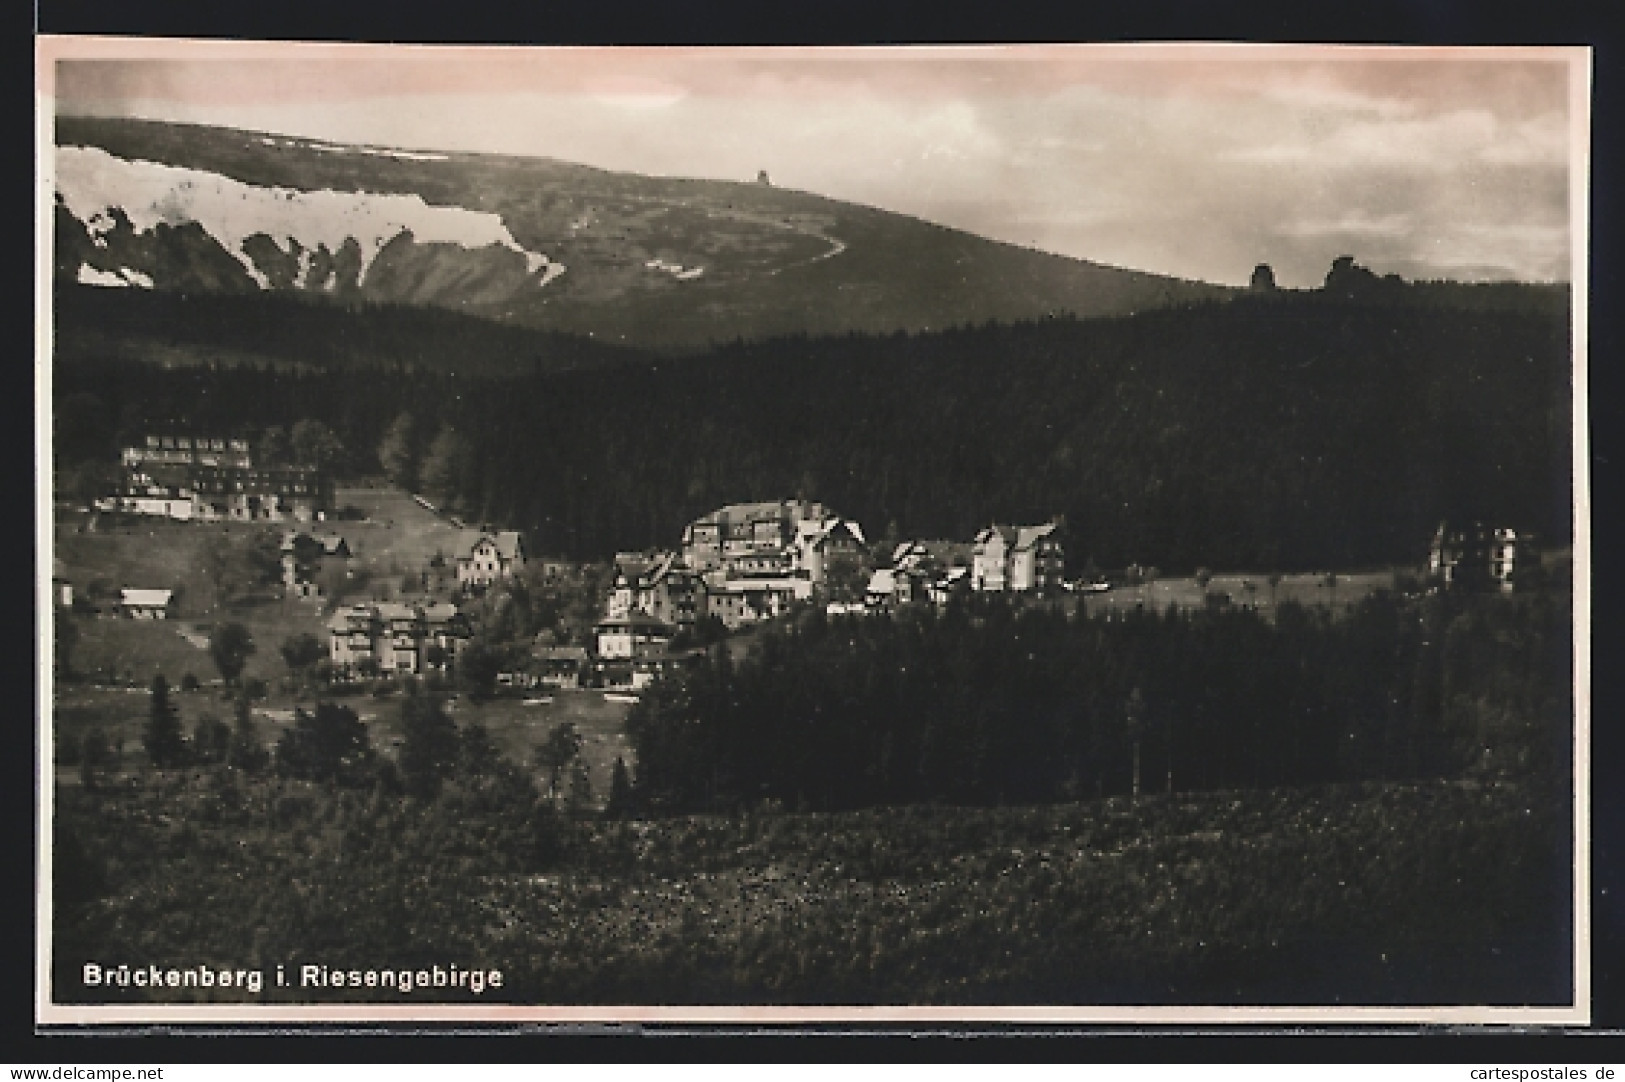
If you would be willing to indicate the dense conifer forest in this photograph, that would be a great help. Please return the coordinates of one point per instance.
(1290, 430)
(989, 705)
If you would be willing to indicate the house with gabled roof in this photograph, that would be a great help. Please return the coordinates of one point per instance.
(490, 558)
(746, 530)
(752, 561)
(634, 635)
(559, 666)
(829, 543)
(396, 638)
(1018, 559)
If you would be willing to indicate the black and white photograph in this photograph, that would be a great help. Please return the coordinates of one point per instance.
(1079, 534)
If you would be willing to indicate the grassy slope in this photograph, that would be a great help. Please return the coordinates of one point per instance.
(394, 535)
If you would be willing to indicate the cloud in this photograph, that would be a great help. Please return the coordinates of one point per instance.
(1353, 224)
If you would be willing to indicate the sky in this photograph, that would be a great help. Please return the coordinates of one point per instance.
(1197, 161)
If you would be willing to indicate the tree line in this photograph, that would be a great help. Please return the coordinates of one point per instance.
(988, 704)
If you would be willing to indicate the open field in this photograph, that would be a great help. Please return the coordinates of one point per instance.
(1249, 589)
(394, 534)
(115, 650)
(99, 554)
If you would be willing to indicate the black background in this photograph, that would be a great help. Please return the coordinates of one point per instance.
(1422, 22)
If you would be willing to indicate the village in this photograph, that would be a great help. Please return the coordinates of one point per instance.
(358, 587)
(737, 567)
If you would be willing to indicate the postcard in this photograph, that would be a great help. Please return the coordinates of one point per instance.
(1069, 535)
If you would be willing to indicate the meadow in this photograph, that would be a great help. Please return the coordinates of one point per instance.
(1247, 589)
(1430, 892)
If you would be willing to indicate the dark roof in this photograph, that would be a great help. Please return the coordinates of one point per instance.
(507, 544)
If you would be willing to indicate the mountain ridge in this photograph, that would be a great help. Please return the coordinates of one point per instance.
(674, 264)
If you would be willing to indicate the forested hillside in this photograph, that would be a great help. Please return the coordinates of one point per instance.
(1286, 430)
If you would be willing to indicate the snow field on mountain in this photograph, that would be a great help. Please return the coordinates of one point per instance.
(92, 182)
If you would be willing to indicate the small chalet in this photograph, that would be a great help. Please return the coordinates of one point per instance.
(136, 604)
(890, 587)
(559, 666)
(953, 583)
(492, 556)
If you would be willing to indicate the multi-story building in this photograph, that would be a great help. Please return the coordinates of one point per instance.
(832, 553)
(1018, 559)
(151, 491)
(740, 601)
(658, 585)
(745, 531)
(396, 638)
(559, 666)
(209, 478)
(260, 493)
(757, 559)
(629, 637)
(187, 451)
(353, 635)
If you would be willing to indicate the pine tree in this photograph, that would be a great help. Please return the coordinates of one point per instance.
(620, 791)
(164, 741)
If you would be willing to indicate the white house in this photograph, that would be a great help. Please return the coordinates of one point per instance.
(137, 604)
(396, 638)
(1018, 558)
(491, 557)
